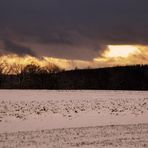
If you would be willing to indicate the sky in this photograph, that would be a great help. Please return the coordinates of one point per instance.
(75, 33)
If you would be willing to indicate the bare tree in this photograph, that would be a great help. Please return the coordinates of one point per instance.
(4, 67)
(31, 69)
(52, 68)
(17, 70)
(1, 68)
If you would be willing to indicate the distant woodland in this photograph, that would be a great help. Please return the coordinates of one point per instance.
(52, 77)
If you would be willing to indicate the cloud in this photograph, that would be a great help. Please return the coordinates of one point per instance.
(18, 49)
(78, 29)
(138, 57)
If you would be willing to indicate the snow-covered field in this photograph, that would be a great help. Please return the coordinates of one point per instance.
(70, 119)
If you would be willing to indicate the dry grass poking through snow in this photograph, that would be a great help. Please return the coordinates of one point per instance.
(71, 108)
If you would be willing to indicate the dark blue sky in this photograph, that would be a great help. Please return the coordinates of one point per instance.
(73, 29)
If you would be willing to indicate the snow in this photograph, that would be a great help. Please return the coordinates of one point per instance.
(27, 112)
(22, 110)
(40, 95)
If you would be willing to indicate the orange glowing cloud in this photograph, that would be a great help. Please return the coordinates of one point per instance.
(13, 60)
(113, 55)
(116, 55)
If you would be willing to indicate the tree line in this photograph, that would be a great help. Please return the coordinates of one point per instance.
(52, 77)
(31, 76)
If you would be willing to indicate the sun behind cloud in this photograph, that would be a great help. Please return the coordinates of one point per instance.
(123, 51)
(122, 55)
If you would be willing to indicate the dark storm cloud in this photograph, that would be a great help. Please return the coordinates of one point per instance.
(17, 49)
(74, 24)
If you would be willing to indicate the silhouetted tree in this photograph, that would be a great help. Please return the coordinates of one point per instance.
(17, 69)
(45, 74)
(33, 76)
(31, 69)
(52, 68)
(30, 74)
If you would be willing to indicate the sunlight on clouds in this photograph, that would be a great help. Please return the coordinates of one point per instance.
(116, 55)
(121, 51)
(69, 64)
(13, 59)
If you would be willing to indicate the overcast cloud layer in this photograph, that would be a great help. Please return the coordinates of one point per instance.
(71, 29)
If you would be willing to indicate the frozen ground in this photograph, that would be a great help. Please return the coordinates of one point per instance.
(70, 119)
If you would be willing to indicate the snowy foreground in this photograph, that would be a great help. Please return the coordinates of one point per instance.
(71, 119)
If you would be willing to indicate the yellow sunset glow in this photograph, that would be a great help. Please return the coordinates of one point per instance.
(117, 55)
(120, 51)
(10, 62)
(113, 55)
